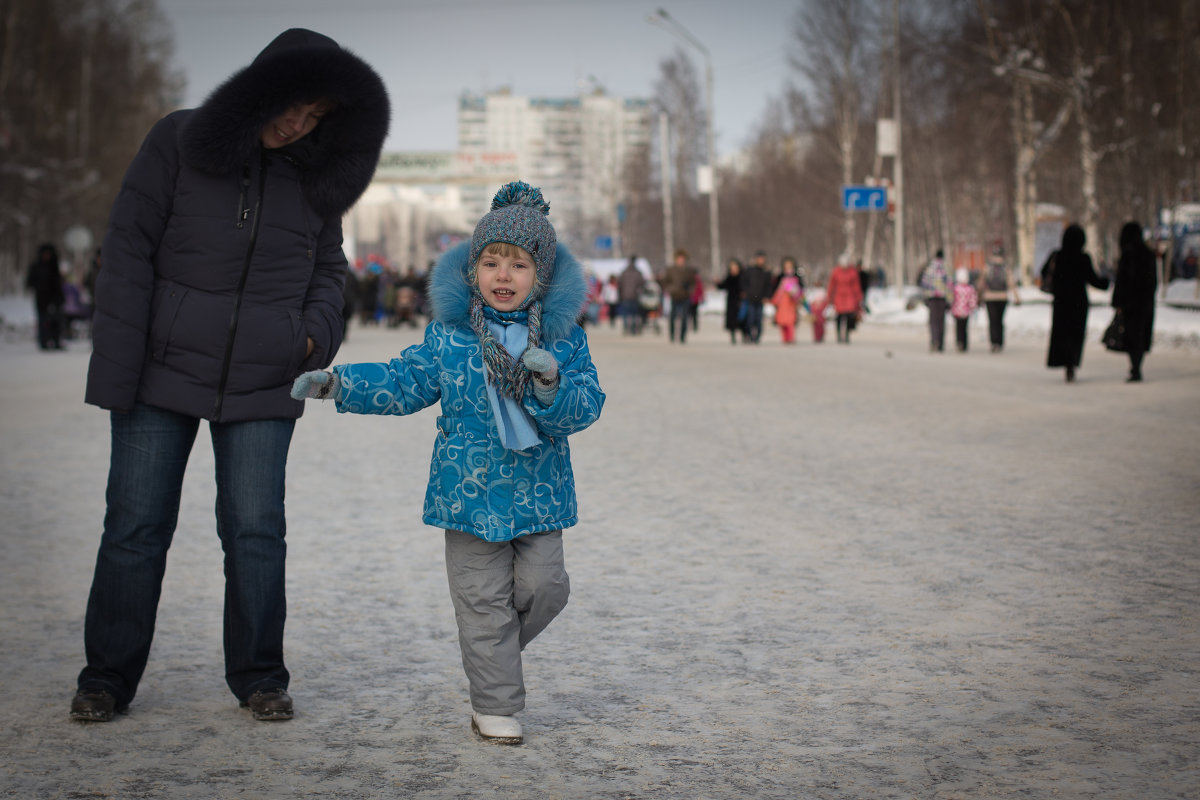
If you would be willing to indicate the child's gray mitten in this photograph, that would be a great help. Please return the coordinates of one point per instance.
(318, 385)
(544, 370)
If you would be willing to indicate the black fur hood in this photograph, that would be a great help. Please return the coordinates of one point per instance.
(338, 158)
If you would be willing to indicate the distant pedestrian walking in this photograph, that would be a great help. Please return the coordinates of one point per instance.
(679, 282)
(995, 287)
(788, 300)
(610, 296)
(755, 287)
(965, 301)
(731, 285)
(818, 308)
(1133, 295)
(845, 295)
(630, 284)
(935, 283)
(45, 279)
(1069, 271)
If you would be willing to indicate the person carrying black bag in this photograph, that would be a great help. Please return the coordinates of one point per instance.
(1133, 295)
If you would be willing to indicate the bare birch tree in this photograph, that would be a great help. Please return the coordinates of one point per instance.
(837, 54)
(81, 81)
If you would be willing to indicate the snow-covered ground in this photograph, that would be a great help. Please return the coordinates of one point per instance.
(830, 572)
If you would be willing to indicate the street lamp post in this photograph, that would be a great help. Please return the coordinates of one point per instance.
(665, 20)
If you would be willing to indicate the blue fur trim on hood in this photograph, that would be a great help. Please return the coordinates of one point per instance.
(450, 291)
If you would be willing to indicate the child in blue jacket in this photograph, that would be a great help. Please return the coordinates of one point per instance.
(510, 365)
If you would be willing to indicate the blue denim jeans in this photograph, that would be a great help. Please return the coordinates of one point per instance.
(753, 323)
(682, 312)
(150, 448)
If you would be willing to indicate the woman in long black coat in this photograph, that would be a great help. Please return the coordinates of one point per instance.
(731, 284)
(1072, 273)
(46, 282)
(1133, 295)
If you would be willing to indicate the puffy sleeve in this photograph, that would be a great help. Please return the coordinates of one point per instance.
(403, 385)
(580, 398)
(124, 287)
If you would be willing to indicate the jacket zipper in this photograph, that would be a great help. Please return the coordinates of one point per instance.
(242, 211)
(237, 303)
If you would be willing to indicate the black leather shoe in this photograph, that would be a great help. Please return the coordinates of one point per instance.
(270, 705)
(93, 705)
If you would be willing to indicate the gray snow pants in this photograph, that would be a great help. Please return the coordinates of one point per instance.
(505, 594)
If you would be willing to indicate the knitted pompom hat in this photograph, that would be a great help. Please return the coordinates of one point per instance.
(519, 216)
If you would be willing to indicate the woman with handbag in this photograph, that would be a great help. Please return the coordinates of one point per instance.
(1133, 295)
(1070, 275)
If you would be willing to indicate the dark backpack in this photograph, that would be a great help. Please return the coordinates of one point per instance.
(997, 278)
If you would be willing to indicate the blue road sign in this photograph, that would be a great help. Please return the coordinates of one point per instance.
(864, 198)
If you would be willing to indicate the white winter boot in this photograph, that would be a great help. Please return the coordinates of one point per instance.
(502, 730)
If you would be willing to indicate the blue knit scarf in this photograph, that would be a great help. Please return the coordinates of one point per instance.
(509, 336)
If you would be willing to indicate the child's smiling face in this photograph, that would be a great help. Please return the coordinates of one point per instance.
(506, 275)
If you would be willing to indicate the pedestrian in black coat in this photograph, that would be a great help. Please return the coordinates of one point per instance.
(222, 282)
(1072, 274)
(731, 285)
(45, 280)
(1133, 295)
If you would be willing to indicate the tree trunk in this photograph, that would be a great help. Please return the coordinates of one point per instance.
(1024, 179)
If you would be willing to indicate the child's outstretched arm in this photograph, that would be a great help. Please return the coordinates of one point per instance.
(401, 386)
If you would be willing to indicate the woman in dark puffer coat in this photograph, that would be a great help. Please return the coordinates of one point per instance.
(222, 281)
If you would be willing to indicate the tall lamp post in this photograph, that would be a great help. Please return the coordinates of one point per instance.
(665, 20)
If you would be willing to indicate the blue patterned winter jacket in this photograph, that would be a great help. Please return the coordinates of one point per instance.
(476, 485)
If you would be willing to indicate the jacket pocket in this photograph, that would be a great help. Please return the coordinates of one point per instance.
(167, 302)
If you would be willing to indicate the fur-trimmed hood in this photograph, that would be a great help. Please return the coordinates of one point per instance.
(338, 158)
(450, 291)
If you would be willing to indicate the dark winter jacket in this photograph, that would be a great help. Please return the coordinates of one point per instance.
(755, 284)
(680, 282)
(1133, 291)
(1073, 272)
(630, 283)
(223, 257)
(731, 284)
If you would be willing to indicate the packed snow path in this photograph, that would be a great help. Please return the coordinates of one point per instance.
(806, 572)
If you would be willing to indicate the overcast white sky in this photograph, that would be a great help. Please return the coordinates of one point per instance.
(429, 51)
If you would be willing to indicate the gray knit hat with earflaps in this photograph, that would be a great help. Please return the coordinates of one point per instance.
(519, 217)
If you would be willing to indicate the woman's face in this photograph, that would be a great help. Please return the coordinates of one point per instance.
(294, 124)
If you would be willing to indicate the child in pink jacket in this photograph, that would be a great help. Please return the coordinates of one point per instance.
(965, 300)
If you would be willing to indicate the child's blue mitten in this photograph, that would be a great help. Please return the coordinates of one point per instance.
(544, 370)
(318, 385)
